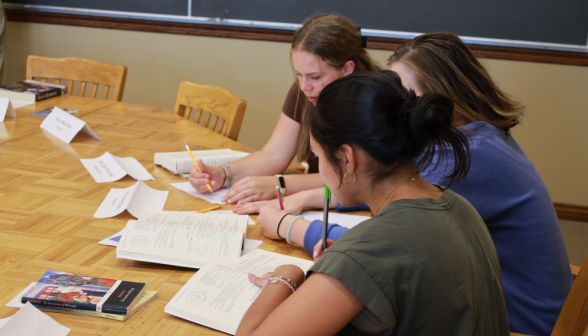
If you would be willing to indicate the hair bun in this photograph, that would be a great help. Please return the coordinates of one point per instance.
(431, 114)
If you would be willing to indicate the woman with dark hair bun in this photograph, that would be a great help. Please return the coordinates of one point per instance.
(424, 264)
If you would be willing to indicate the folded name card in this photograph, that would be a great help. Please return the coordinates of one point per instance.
(6, 109)
(65, 126)
(110, 168)
(30, 321)
(135, 199)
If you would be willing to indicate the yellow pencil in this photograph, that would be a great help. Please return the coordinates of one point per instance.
(209, 209)
(196, 164)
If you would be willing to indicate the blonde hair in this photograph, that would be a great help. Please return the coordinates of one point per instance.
(336, 40)
(444, 64)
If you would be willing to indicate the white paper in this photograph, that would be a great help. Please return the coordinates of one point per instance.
(65, 126)
(20, 103)
(30, 321)
(135, 199)
(16, 302)
(110, 168)
(214, 197)
(344, 220)
(229, 212)
(6, 109)
(250, 246)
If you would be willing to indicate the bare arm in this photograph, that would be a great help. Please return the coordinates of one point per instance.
(308, 311)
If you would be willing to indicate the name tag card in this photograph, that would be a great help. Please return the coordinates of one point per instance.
(6, 109)
(135, 199)
(65, 126)
(110, 168)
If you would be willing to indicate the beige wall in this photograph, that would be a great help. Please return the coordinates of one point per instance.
(554, 132)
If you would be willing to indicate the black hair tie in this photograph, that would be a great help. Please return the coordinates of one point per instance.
(280, 223)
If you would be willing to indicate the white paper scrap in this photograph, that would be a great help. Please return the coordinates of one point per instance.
(6, 109)
(110, 168)
(344, 220)
(30, 321)
(135, 199)
(65, 126)
(250, 246)
(15, 302)
(215, 197)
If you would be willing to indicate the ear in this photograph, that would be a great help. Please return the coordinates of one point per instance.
(349, 159)
(348, 68)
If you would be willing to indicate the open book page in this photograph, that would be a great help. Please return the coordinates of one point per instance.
(188, 238)
(218, 296)
(181, 162)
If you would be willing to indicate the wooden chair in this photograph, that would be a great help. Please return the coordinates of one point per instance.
(222, 111)
(573, 318)
(82, 70)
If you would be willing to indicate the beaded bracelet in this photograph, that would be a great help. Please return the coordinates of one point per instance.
(290, 228)
(230, 176)
(281, 279)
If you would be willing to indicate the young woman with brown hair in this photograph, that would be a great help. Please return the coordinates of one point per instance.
(502, 183)
(424, 264)
(325, 48)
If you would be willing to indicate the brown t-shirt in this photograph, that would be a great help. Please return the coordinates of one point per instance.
(294, 107)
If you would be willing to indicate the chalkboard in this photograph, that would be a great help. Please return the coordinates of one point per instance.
(542, 22)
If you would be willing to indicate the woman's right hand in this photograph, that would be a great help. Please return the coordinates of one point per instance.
(210, 175)
(292, 204)
(317, 252)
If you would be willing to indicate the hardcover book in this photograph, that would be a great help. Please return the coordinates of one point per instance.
(30, 90)
(75, 291)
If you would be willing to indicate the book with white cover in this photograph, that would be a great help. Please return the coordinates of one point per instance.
(181, 162)
(183, 239)
(218, 296)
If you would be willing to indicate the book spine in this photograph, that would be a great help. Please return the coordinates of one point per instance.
(82, 312)
(53, 303)
(47, 95)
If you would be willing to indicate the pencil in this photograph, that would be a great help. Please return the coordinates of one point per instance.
(196, 164)
(326, 216)
(209, 209)
(280, 197)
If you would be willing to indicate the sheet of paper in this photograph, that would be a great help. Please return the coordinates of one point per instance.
(110, 168)
(64, 125)
(20, 103)
(250, 221)
(115, 238)
(135, 199)
(15, 302)
(184, 237)
(345, 220)
(250, 246)
(30, 321)
(219, 296)
(215, 197)
(6, 109)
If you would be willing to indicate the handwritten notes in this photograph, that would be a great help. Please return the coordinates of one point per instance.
(6, 109)
(110, 168)
(30, 321)
(135, 199)
(215, 197)
(65, 126)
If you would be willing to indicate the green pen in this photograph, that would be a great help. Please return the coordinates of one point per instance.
(326, 216)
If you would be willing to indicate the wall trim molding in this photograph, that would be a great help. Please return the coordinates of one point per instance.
(571, 212)
(276, 35)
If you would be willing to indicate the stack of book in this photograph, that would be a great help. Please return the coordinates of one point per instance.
(30, 90)
(77, 294)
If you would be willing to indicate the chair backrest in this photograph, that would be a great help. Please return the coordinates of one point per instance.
(79, 69)
(573, 318)
(222, 111)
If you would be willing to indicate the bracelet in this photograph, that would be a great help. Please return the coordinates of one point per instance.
(224, 179)
(280, 223)
(290, 228)
(284, 280)
(230, 176)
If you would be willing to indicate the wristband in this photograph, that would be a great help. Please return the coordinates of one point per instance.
(281, 183)
(230, 176)
(280, 223)
(290, 229)
(224, 179)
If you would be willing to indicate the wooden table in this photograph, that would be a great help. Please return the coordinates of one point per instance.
(47, 202)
